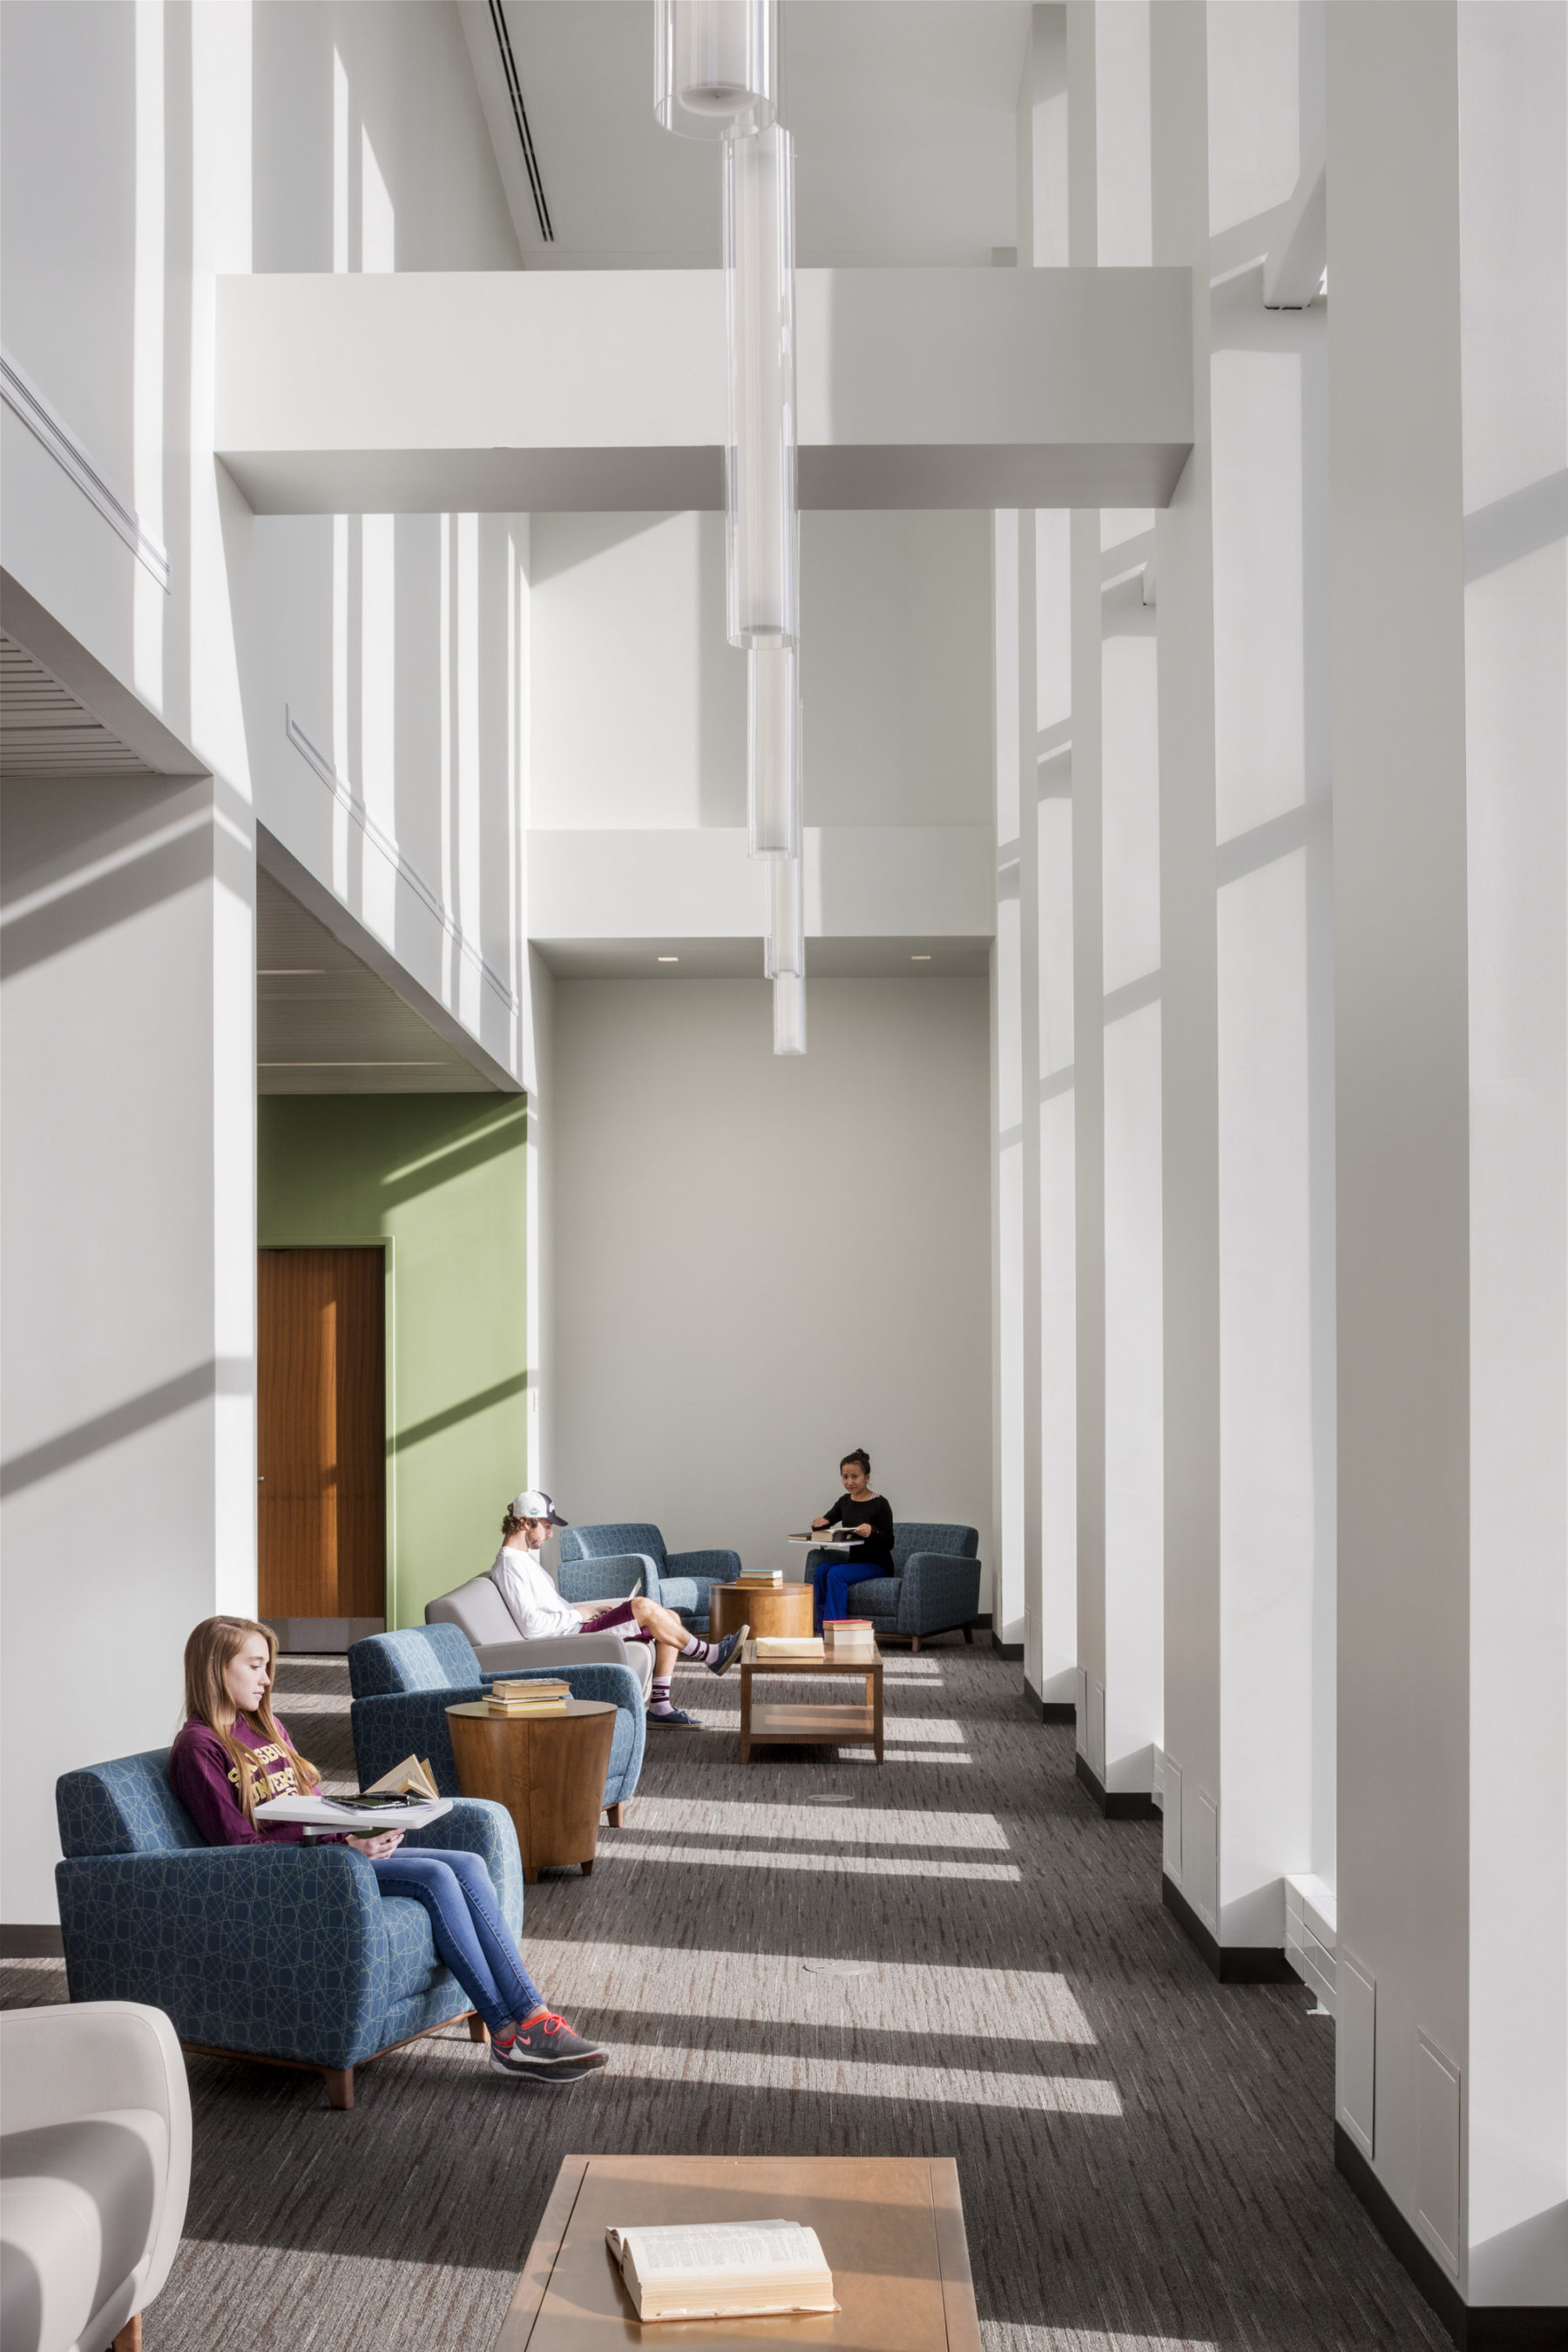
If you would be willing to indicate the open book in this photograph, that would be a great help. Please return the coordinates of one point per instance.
(404, 1799)
(723, 2270)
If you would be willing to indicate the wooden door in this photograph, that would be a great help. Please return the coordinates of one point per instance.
(321, 1432)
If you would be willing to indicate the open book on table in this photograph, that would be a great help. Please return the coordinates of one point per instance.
(723, 2270)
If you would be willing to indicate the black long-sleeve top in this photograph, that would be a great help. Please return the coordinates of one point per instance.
(875, 1511)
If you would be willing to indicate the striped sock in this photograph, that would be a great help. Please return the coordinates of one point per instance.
(700, 1651)
(659, 1701)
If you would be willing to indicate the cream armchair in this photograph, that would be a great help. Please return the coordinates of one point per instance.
(95, 2168)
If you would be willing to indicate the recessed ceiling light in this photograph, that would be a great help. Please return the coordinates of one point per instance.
(669, 958)
(923, 959)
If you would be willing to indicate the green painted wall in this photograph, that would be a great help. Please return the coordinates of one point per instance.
(442, 1177)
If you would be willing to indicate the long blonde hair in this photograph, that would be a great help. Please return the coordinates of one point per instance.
(213, 1645)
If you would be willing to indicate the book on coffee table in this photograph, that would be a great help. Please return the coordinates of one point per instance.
(787, 1645)
(723, 2270)
(540, 1695)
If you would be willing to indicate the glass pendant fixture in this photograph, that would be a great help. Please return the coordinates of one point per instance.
(773, 752)
(759, 473)
(789, 1013)
(715, 65)
(785, 935)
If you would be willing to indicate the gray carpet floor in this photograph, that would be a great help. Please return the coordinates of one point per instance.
(950, 1954)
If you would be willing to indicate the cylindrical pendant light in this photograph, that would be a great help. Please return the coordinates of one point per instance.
(773, 752)
(785, 933)
(760, 488)
(789, 1013)
(715, 65)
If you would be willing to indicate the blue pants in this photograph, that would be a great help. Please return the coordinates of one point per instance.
(831, 1580)
(471, 1937)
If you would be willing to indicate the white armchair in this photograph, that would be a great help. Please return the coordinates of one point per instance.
(95, 2168)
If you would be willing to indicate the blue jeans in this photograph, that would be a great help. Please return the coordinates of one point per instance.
(831, 1580)
(471, 1937)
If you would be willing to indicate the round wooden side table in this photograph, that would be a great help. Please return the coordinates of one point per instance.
(780, 1609)
(548, 1771)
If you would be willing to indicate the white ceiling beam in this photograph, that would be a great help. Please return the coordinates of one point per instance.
(604, 389)
(1294, 265)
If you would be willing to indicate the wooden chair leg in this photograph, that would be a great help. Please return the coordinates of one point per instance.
(130, 2336)
(340, 2087)
(615, 1815)
(914, 1643)
(477, 2031)
(969, 1636)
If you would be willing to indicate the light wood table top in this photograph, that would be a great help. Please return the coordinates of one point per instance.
(890, 2226)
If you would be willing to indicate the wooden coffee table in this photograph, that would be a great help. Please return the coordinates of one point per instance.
(890, 2226)
(548, 1771)
(779, 1725)
(780, 1609)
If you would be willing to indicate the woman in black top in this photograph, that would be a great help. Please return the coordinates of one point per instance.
(869, 1517)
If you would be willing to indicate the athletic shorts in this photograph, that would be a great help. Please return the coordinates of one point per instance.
(618, 1620)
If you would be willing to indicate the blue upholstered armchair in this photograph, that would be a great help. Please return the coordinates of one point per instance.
(679, 1578)
(284, 1953)
(934, 1586)
(403, 1683)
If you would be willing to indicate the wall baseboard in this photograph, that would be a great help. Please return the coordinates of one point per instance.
(1474, 2327)
(1116, 1804)
(1005, 1649)
(20, 1942)
(1057, 1711)
(1232, 1963)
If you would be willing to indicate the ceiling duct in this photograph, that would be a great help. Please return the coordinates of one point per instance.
(519, 116)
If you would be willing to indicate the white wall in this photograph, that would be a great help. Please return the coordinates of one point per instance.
(371, 146)
(739, 1299)
(639, 709)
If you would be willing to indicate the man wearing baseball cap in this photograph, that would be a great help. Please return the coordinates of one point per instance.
(538, 1610)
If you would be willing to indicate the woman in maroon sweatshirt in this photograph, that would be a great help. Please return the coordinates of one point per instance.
(232, 1754)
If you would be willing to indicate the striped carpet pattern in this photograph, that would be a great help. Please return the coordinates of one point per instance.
(952, 1955)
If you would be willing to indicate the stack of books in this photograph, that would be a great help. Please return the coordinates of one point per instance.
(723, 2270)
(788, 1646)
(849, 1637)
(541, 1695)
(760, 1580)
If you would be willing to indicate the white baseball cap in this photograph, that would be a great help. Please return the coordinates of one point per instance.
(531, 1504)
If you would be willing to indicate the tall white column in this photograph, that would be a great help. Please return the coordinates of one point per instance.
(1033, 721)
(1448, 129)
(128, 1252)
(1115, 790)
(1245, 987)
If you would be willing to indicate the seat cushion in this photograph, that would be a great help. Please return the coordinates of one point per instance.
(878, 1596)
(79, 2205)
(680, 1593)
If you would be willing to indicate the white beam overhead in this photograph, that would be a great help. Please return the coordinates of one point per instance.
(604, 389)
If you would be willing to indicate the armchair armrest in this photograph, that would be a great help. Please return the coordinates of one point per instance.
(280, 1949)
(552, 1654)
(611, 1578)
(707, 1566)
(474, 1825)
(61, 2063)
(938, 1591)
